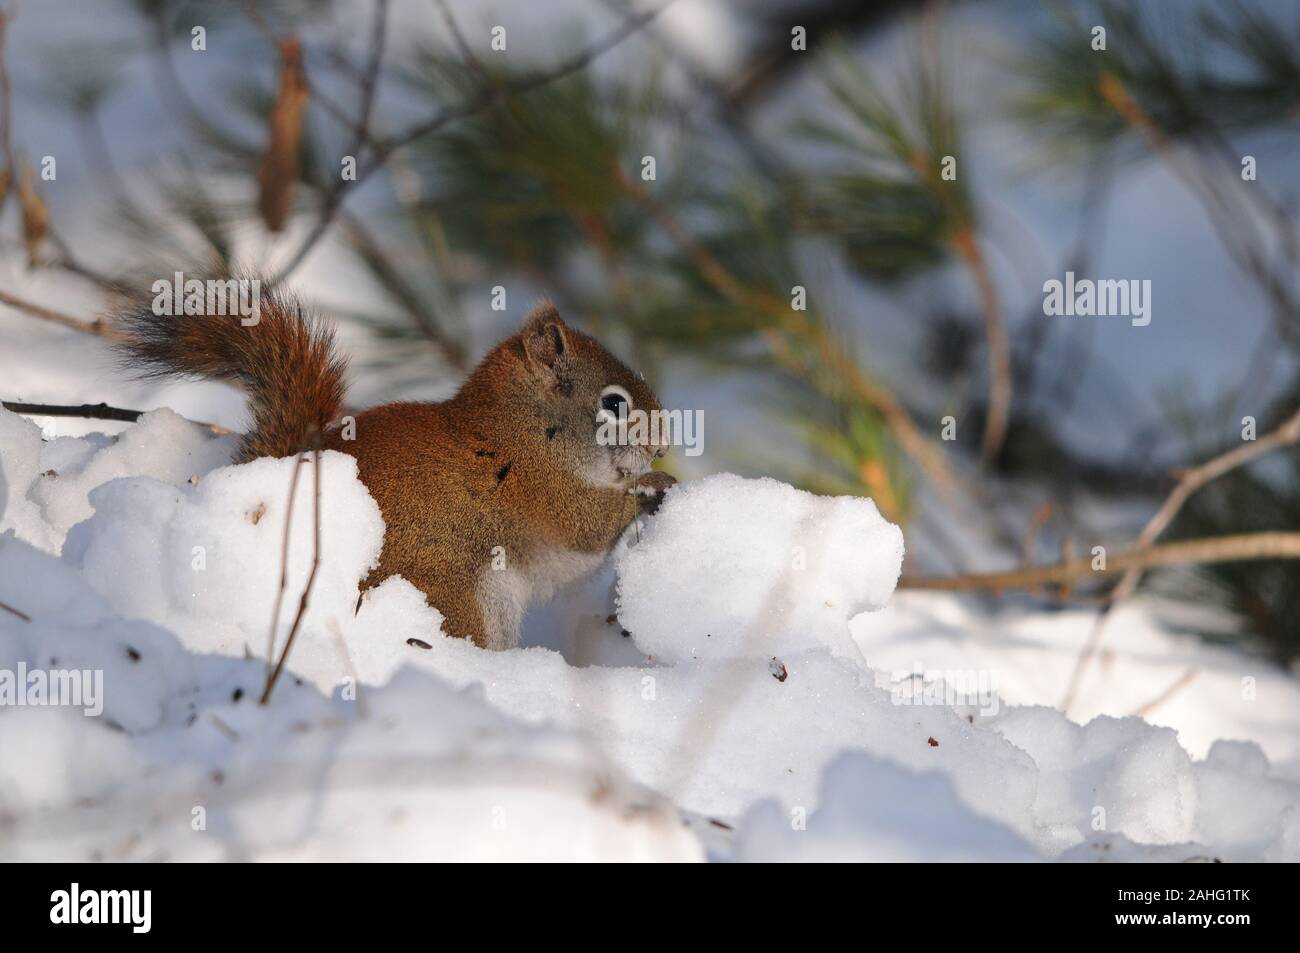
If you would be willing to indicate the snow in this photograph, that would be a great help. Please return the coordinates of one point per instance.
(1027, 658)
(203, 560)
(787, 574)
(47, 485)
(771, 700)
(872, 808)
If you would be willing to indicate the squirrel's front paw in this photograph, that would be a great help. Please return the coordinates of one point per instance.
(650, 489)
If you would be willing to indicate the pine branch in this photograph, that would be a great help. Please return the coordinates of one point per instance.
(799, 328)
(383, 149)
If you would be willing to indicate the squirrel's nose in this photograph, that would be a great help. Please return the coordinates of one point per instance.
(660, 452)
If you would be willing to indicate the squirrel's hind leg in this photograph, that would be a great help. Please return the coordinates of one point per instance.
(462, 617)
(502, 596)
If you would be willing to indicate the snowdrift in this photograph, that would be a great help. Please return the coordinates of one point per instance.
(740, 717)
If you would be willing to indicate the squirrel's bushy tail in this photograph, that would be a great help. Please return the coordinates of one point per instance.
(285, 362)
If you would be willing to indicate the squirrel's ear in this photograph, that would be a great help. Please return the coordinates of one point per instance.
(546, 339)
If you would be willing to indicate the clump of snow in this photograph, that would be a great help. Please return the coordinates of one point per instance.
(204, 560)
(732, 567)
(45, 487)
(78, 631)
(740, 696)
(19, 465)
(1117, 775)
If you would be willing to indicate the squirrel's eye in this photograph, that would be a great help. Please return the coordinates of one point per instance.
(616, 401)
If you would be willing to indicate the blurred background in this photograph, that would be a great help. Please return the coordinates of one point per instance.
(825, 225)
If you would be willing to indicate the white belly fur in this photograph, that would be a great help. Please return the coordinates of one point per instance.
(504, 594)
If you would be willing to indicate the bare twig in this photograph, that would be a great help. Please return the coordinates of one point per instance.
(1041, 517)
(1178, 685)
(67, 261)
(6, 101)
(96, 327)
(99, 411)
(370, 79)
(22, 615)
(466, 53)
(999, 346)
(451, 350)
(1217, 549)
(1239, 233)
(284, 563)
(303, 602)
(89, 411)
(1191, 480)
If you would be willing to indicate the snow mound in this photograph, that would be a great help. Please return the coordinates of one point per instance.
(183, 764)
(205, 560)
(740, 699)
(45, 487)
(731, 567)
(1023, 657)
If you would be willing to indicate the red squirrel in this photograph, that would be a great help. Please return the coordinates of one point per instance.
(492, 499)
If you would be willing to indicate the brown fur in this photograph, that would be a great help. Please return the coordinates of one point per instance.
(285, 363)
(507, 470)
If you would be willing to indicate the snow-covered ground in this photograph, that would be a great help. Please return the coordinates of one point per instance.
(770, 699)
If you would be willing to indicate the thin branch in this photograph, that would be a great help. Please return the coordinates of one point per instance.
(466, 53)
(1239, 233)
(1218, 549)
(6, 101)
(332, 107)
(97, 327)
(99, 411)
(1189, 482)
(999, 346)
(311, 578)
(451, 350)
(1178, 685)
(89, 411)
(370, 79)
(1041, 517)
(736, 121)
(967, 245)
(575, 63)
(71, 264)
(22, 615)
(284, 563)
